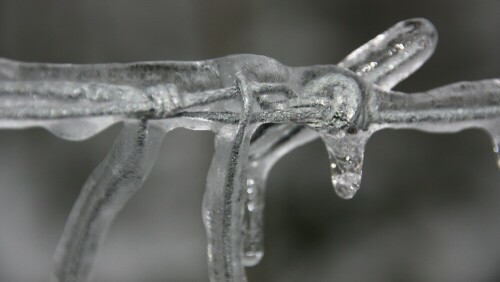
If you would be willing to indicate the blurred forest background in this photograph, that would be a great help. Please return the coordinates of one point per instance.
(428, 206)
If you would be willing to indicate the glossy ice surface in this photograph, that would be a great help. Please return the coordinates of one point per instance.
(259, 109)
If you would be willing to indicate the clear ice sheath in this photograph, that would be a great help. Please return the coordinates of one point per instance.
(223, 201)
(106, 191)
(385, 60)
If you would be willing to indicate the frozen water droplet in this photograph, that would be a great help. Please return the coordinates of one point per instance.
(78, 129)
(346, 161)
(251, 257)
(346, 184)
(251, 206)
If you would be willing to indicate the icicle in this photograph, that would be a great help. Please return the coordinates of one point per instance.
(346, 154)
(223, 203)
(106, 191)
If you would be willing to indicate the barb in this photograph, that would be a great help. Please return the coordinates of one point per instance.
(117, 178)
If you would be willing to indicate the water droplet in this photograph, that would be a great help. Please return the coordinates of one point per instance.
(252, 257)
(251, 206)
(346, 162)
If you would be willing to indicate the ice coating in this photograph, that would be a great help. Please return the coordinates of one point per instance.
(395, 54)
(104, 194)
(92, 97)
(259, 110)
(223, 201)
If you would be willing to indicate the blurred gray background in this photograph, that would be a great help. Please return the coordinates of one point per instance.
(428, 206)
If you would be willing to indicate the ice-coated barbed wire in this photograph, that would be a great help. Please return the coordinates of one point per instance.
(385, 60)
(259, 110)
